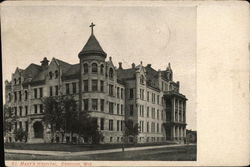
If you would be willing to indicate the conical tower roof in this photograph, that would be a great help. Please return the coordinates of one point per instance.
(92, 47)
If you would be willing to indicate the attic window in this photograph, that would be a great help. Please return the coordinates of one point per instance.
(111, 73)
(142, 79)
(56, 74)
(19, 80)
(50, 75)
(15, 81)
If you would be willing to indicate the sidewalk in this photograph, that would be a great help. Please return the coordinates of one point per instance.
(62, 153)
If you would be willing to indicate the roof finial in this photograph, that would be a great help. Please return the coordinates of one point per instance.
(92, 28)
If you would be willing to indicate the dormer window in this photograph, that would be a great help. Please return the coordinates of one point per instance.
(50, 75)
(56, 74)
(94, 68)
(15, 81)
(19, 80)
(142, 79)
(111, 73)
(85, 68)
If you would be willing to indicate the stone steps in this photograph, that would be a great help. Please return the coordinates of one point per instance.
(36, 140)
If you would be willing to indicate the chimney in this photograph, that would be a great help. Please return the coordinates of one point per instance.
(133, 65)
(44, 63)
(120, 65)
(110, 58)
(148, 65)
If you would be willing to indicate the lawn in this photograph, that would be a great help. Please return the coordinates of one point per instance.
(71, 147)
(183, 153)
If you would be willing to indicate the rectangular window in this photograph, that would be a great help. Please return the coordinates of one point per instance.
(147, 126)
(111, 108)
(148, 112)
(118, 125)
(158, 99)
(122, 92)
(111, 91)
(121, 109)
(118, 92)
(86, 104)
(35, 93)
(122, 124)
(35, 109)
(118, 109)
(161, 114)
(15, 109)
(26, 126)
(157, 114)
(26, 110)
(153, 113)
(20, 110)
(20, 125)
(131, 110)
(102, 86)
(86, 85)
(131, 93)
(41, 92)
(94, 104)
(74, 87)
(26, 95)
(20, 96)
(157, 128)
(153, 127)
(67, 89)
(51, 91)
(102, 124)
(147, 96)
(56, 87)
(94, 85)
(102, 104)
(41, 108)
(15, 96)
(111, 125)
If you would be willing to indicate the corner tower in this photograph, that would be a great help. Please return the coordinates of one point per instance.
(92, 70)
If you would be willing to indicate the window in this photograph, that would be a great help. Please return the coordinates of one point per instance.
(74, 87)
(26, 126)
(162, 114)
(85, 68)
(94, 104)
(19, 80)
(51, 91)
(118, 108)
(15, 96)
(94, 85)
(35, 108)
(15, 109)
(121, 109)
(131, 93)
(147, 126)
(157, 128)
(111, 73)
(111, 108)
(111, 92)
(142, 111)
(153, 127)
(56, 87)
(102, 104)
(26, 110)
(142, 94)
(67, 89)
(131, 110)
(118, 92)
(41, 108)
(102, 69)
(56, 74)
(111, 139)
(15, 81)
(121, 93)
(20, 111)
(35, 93)
(102, 124)
(118, 125)
(142, 80)
(50, 75)
(158, 99)
(41, 92)
(86, 104)
(20, 96)
(153, 98)
(148, 112)
(94, 68)
(102, 86)
(111, 124)
(157, 114)
(20, 125)
(153, 113)
(85, 85)
(9, 97)
(122, 124)
(26, 94)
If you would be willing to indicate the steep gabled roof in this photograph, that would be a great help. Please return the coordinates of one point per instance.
(64, 65)
(126, 73)
(31, 72)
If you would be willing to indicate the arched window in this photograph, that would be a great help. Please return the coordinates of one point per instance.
(85, 68)
(102, 69)
(111, 73)
(56, 74)
(50, 75)
(94, 68)
(142, 79)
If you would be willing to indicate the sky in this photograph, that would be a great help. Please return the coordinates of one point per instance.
(129, 34)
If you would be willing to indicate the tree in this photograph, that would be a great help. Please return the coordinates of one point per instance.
(8, 119)
(131, 129)
(20, 134)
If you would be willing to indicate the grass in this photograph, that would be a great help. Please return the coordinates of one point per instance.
(71, 147)
(183, 153)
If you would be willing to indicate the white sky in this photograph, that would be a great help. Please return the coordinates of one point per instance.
(155, 35)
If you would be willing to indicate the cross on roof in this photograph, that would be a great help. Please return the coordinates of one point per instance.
(92, 27)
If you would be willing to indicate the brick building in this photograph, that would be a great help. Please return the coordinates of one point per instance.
(148, 97)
